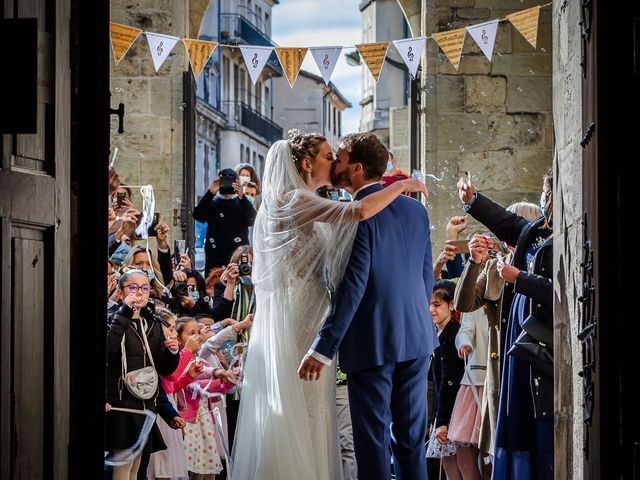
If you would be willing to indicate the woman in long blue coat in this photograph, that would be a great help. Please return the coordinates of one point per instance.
(524, 436)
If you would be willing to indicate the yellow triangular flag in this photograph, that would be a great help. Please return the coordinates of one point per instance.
(451, 43)
(291, 60)
(199, 52)
(122, 37)
(526, 22)
(373, 55)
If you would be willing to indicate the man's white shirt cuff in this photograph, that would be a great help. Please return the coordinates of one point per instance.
(321, 358)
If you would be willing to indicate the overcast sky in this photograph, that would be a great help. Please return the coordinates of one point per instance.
(316, 23)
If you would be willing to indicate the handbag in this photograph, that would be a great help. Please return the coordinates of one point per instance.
(143, 382)
(534, 345)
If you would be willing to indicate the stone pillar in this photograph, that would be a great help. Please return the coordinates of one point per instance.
(151, 148)
(567, 194)
(492, 119)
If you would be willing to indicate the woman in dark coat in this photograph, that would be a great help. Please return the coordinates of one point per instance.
(524, 437)
(131, 322)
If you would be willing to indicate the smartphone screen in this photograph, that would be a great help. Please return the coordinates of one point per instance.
(120, 199)
(179, 246)
(151, 231)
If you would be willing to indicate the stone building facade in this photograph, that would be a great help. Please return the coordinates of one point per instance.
(568, 238)
(530, 118)
(491, 119)
(151, 147)
(235, 118)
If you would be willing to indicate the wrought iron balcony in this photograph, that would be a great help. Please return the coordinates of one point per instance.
(239, 114)
(237, 29)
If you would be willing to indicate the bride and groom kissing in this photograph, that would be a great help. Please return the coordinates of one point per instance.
(332, 278)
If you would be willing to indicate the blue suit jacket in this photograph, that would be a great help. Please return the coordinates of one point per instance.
(380, 312)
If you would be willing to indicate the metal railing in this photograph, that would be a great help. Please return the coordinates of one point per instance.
(239, 114)
(236, 29)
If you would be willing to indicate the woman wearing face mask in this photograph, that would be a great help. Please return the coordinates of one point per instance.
(135, 336)
(247, 174)
(234, 292)
(196, 300)
(139, 259)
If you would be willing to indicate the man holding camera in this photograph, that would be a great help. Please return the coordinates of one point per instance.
(228, 215)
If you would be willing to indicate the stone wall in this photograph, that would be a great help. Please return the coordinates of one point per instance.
(492, 119)
(567, 111)
(151, 147)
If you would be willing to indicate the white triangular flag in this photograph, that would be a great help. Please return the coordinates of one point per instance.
(255, 58)
(326, 59)
(485, 36)
(410, 49)
(160, 47)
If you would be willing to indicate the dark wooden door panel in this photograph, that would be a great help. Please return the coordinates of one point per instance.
(35, 226)
(28, 362)
(37, 151)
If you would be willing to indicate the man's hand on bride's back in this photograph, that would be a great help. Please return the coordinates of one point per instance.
(413, 185)
(310, 368)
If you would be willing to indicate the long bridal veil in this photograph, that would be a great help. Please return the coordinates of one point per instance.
(287, 428)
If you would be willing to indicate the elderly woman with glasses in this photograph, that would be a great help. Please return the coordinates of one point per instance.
(137, 351)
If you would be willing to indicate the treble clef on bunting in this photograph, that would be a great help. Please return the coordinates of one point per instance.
(254, 62)
(326, 61)
(159, 49)
(410, 54)
(484, 37)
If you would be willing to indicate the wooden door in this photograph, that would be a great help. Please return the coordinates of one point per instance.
(611, 94)
(34, 264)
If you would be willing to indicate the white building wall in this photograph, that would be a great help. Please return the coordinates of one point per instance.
(311, 107)
(234, 86)
(382, 20)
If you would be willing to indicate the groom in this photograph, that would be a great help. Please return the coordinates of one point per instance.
(380, 321)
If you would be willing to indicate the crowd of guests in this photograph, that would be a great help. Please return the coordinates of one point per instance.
(491, 411)
(176, 338)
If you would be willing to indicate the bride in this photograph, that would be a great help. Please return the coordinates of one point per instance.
(287, 428)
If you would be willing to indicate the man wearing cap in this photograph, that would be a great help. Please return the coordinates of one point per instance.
(228, 215)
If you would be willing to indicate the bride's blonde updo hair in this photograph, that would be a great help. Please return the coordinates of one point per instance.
(304, 145)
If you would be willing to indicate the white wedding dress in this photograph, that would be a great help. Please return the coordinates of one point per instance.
(286, 428)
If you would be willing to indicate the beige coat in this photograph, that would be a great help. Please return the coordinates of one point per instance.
(481, 286)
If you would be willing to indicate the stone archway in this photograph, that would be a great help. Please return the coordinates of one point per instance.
(412, 10)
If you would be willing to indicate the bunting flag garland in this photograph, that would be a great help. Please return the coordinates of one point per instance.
(373, 55)
(410, 49)
(326, 58)
(160, 47)
(451, 43)
(199, 52)
(122, 37)
(526, 22)
(291, 60)
(485, 36)
(255, 59)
